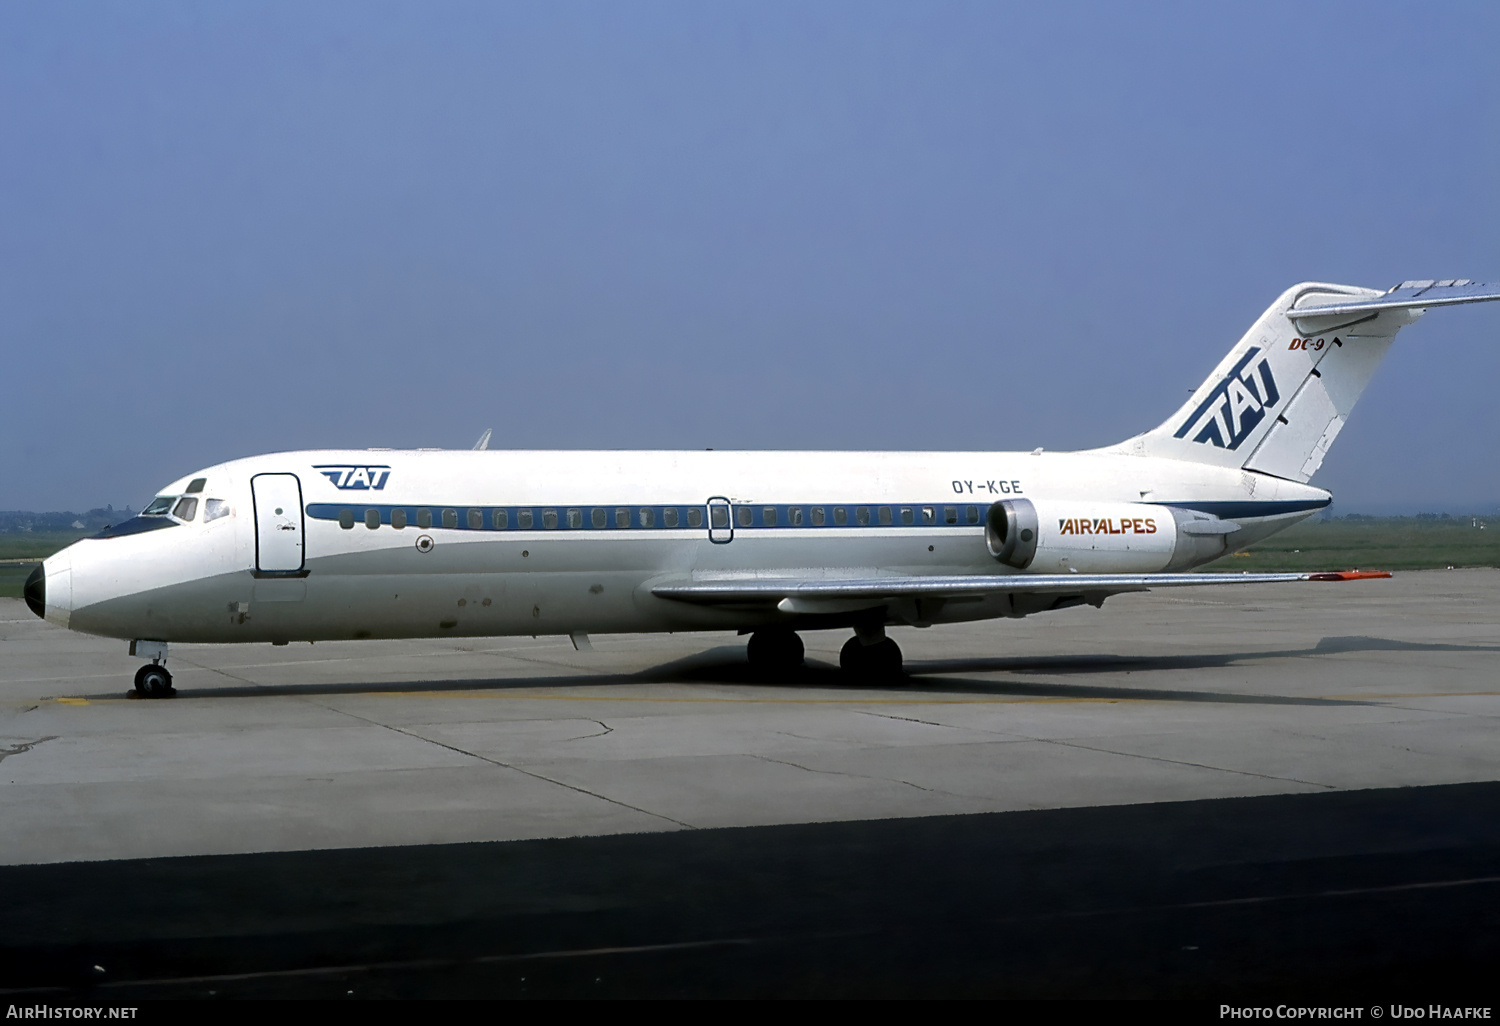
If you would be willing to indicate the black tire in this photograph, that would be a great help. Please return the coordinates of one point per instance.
(880, 661)
(775, 651)
(153, 681)
(852, 658)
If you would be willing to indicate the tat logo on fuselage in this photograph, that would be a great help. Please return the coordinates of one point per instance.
(1235, 406)
(358, 479)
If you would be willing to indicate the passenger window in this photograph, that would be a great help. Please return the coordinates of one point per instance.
(929, 515)
(906, 515)
(885, 514)
(476, 519)
(549, 519)
(862, 516)
(817, 516)
(840, 516)
(424, 518)
(186, 509)
(950, 514)
(450, 518)
(346, 519)
(622, 517)
(159, 505)
(372, 518)
(196, 485)
(794, 515)
(669, 517)
(718, 516)
(768, 516)
(747, 516)
(500, 519)
(973, 512)
(398, 518)
(213, 509)
(575, 519)
(523, 519)
(647, 520)
(694, 517)
(600, 517)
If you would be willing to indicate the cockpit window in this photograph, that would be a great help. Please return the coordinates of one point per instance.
(196, 485)
(187, 508)
(213, 509)
(159, 506)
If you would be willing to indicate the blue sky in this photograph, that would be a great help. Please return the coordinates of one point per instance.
(237, 228)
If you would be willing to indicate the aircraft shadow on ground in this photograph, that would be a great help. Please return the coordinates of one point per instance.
(726, 665)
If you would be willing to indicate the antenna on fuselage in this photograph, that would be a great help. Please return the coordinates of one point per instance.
(484, 439)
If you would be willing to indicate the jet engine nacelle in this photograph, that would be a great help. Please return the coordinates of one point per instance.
(1102, 537)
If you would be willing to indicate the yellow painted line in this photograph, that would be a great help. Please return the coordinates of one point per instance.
(72, 701)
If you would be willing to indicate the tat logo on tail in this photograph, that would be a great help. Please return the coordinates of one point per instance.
(1235, 406)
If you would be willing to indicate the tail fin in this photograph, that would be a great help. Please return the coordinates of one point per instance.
(1278, 400)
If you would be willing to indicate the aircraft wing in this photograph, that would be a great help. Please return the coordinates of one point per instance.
(827, 595)
(1409, 294)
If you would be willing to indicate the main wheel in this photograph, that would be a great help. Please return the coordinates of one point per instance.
(153, 681)
(774, 651)
(880, 661)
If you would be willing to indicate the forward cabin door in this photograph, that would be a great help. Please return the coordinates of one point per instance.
(278, 523)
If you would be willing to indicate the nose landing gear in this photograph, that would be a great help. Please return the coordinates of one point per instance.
(152, 680)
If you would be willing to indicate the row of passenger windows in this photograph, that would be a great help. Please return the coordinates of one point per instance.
(601, 517)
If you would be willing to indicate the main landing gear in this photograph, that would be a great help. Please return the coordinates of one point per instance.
(774, 651)
(152, 680)
(871, 655)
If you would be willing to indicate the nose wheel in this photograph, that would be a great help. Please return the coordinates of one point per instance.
(153, 681)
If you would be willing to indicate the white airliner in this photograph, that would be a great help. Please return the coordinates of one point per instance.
(344, 544)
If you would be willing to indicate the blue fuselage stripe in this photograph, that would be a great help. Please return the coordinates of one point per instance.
(620, 517)
(742, 516)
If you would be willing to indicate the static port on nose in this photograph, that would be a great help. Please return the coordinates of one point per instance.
(36, 592)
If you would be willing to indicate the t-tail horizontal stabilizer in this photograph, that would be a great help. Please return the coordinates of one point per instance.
(1409, 295)
(1279, 399)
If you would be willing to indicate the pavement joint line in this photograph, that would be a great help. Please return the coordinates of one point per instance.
(26, 746)
(996, 733)
(866, 776)
(1184, 762)
(514, 768)
(906, 719)
(1262, 899)
(584, 737)
(414, 963)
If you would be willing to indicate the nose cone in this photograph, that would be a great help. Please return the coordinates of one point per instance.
(36, 592)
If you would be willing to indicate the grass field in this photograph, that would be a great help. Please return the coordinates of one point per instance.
(1404, 543)
(28, 545)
